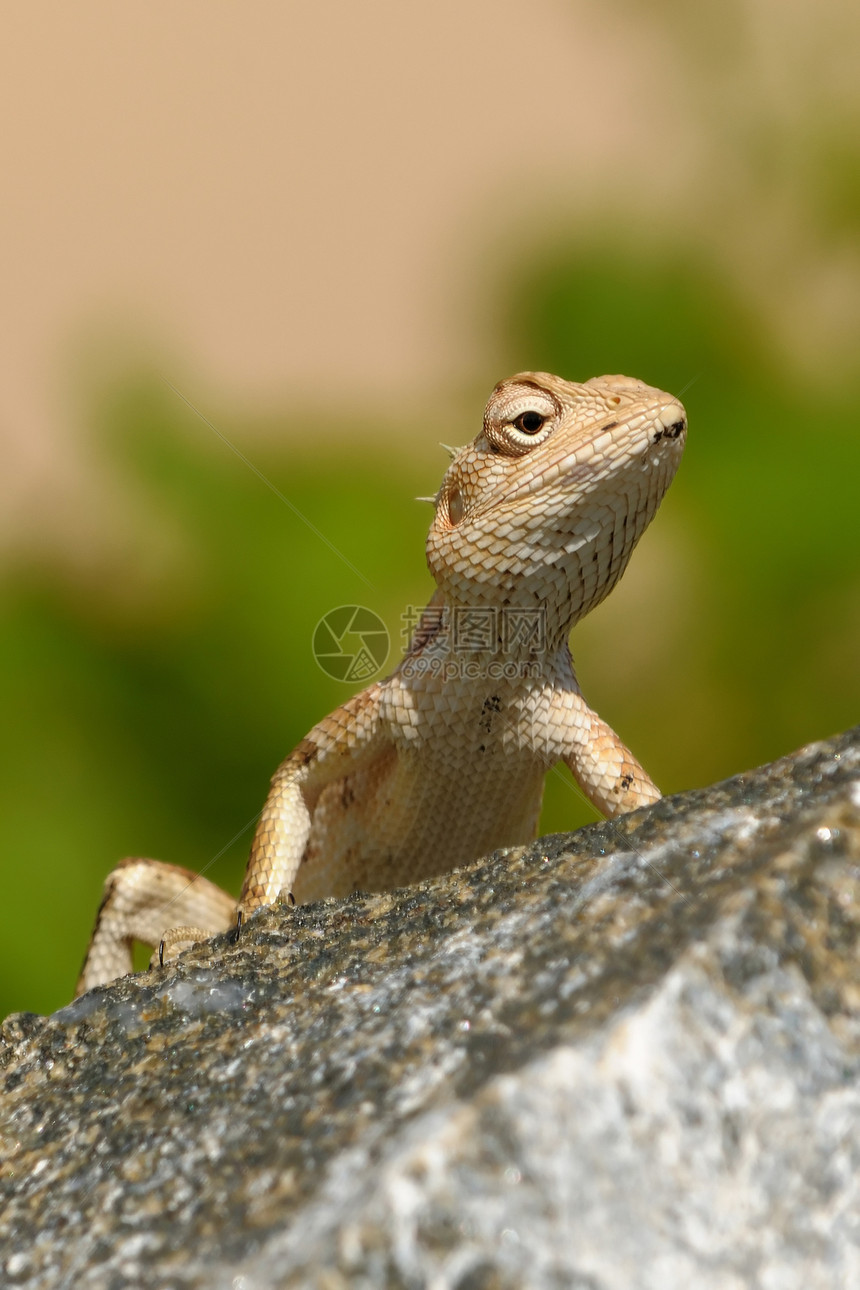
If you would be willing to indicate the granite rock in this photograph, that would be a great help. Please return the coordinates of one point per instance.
(625, 1057)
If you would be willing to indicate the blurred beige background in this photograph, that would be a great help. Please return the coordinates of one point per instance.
(303, 198)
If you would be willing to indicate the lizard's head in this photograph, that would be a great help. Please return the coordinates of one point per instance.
(545, 506)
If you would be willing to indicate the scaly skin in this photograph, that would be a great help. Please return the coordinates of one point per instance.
(445, 759)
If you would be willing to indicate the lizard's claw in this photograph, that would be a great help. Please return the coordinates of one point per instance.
(241, 917)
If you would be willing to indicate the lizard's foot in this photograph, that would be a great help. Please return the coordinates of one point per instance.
(174, 941)
(246, 908)
(140, 899)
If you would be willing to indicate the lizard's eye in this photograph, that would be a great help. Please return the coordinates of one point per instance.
(519, 417)
(529, 422)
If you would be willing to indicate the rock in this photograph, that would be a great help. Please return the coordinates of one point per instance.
(626, 1057)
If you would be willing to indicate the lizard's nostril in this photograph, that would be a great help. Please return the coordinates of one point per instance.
(676, 428)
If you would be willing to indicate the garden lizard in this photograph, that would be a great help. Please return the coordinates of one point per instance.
(445, 759)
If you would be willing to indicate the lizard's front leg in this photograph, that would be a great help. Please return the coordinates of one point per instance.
(604, 767)
(342, 742)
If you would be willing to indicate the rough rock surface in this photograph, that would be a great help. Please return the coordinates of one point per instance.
(627, 1057)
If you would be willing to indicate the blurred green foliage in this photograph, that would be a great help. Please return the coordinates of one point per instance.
(146, 704)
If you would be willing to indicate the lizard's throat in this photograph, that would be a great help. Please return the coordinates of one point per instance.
(552, 592)
(520, 628)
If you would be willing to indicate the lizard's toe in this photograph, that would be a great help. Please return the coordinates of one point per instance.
(174, 941)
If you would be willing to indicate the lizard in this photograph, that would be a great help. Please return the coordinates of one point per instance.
(444, 760)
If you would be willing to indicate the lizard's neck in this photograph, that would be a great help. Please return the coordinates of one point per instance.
(478, 630)
(557, 590)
